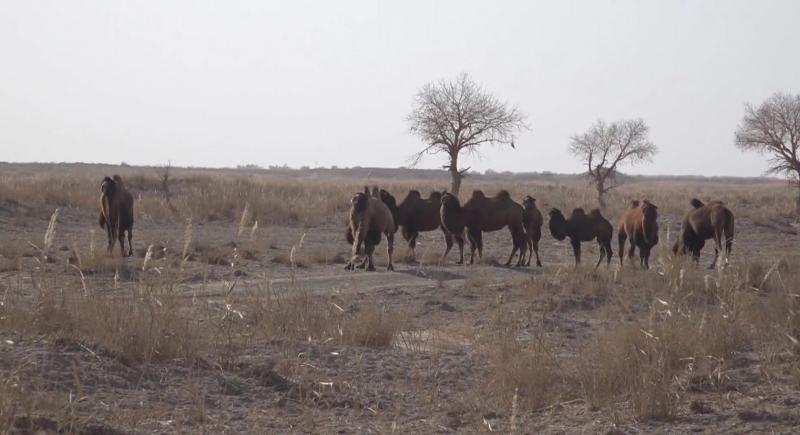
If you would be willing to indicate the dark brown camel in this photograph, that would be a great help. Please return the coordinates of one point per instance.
(453, 223)
(369, 218)
(116, 213)
(415, 215)
(581, 227)
(480, 214)
(532, 221)
(639, 224)
(703, 222)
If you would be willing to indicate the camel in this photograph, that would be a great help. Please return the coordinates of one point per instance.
(369, 218)
(639, 224)
(703, 222)
(481, 213)
(532, 221)
(453, 223)
(116, 213)
(581, 227)
(415, 215)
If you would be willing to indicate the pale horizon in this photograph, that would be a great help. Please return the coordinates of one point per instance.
(319, 84)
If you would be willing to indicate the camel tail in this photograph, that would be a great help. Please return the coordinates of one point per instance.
(728, 231)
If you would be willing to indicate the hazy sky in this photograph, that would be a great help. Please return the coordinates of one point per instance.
(330, 82)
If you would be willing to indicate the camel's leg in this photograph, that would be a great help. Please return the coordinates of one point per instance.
(510, 257)
(130, 242)
(515, 247)
(111, 239)
(530, 251)
(521, 241)
(644, 255)
(121, 237)
(536, 251)
(412, 244)
(460, 241)
(602, 255)
(448, 241)
(622, 237)
(473, 244)
(716, 257)
(609, 253)
(358, 239)
(576, 249)
(369, 249)
(390, 248)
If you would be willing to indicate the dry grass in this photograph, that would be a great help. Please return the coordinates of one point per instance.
(527, 376)
(268, 199)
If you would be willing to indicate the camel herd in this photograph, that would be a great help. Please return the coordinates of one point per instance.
(376, 214)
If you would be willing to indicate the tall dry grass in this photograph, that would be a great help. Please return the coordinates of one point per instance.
(271, 199)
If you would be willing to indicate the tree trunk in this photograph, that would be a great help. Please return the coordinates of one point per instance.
(600, 192)
(455, 176)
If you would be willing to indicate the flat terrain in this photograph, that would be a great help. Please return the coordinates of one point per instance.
(225, 326)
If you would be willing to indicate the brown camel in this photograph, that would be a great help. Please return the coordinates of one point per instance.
(415, 215)
(639, 224)
(369, 218)
(703, 222)
(116, 213)
(532, 221)
(480, 214)
(581, 227)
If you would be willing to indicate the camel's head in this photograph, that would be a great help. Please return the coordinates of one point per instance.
(650, 211)
(390, 202)
(108, 186)
(450, 201)
(558, 225)
(529, 203)
(359, 201)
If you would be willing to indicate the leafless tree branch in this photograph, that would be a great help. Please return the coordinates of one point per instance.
(605, 147)
(458, 116)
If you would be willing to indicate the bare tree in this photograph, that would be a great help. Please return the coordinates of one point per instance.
(604, 147)
(458, 116)
(774, 128)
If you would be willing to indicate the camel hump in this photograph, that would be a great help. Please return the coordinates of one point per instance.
(635, 203)
(366, 190)
(503, 194)
(696, 203)
(414, 194)
(478, 194)
(595, 214)
(649, 204)
(578, 212)
(435, 196)
(376, 193)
